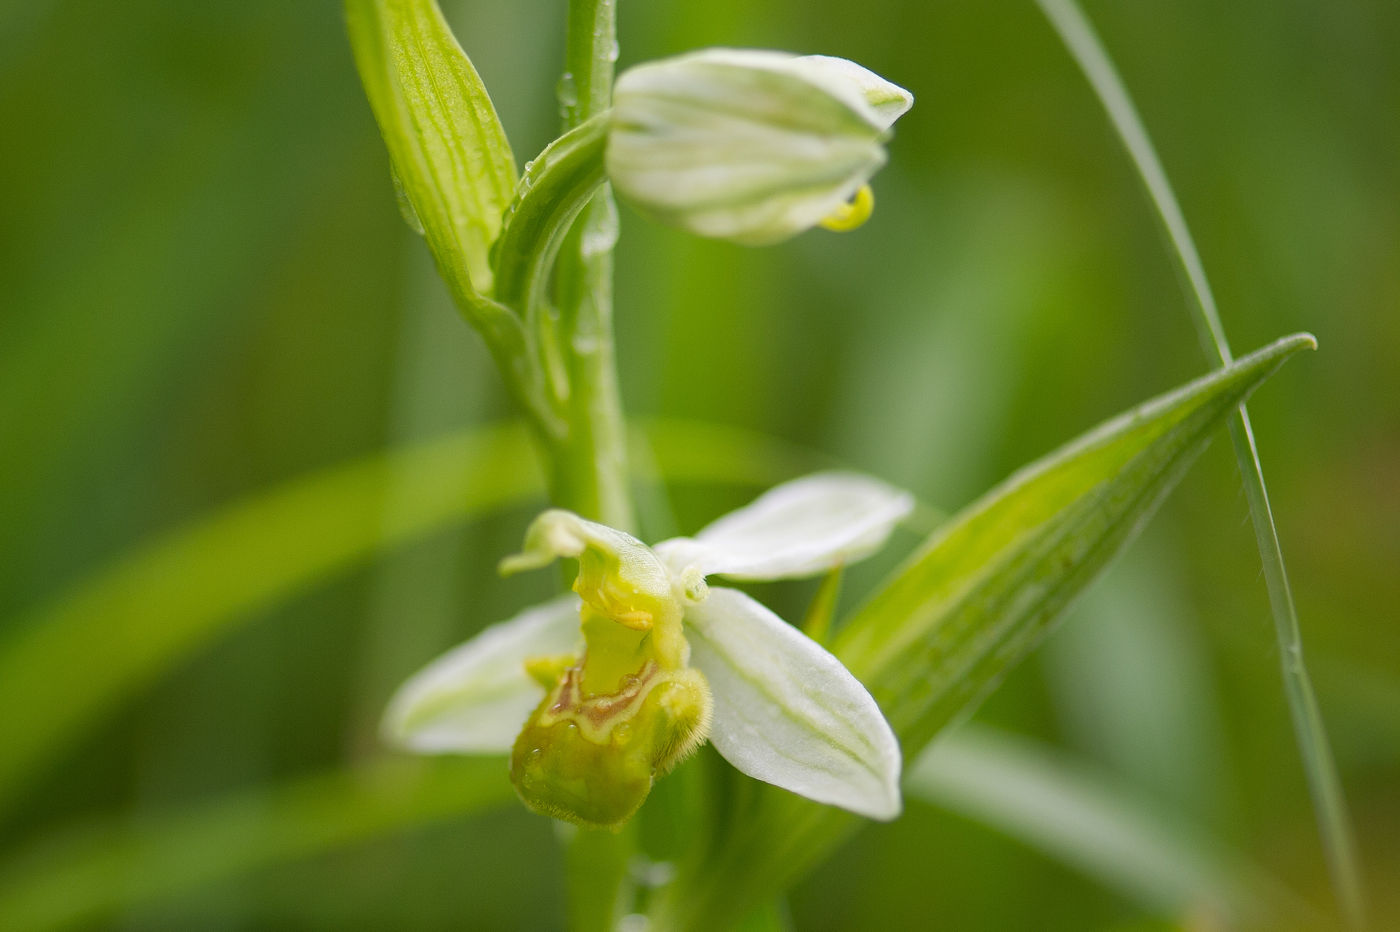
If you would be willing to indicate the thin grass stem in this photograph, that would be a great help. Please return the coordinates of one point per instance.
(1339, 846)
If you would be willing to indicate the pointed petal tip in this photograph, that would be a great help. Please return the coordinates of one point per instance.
(886, 809)
(884, 803)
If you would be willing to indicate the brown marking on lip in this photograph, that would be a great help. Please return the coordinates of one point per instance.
(597, 711)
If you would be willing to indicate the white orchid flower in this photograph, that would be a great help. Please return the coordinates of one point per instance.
(598, 693)
(750, 145)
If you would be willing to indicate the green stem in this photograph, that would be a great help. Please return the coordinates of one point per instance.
(592, 472)
(599, 885)
(588, 463)
(1339, 846)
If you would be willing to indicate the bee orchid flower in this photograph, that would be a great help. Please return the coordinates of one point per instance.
(597, 693)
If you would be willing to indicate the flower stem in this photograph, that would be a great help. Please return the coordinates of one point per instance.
(588, 463)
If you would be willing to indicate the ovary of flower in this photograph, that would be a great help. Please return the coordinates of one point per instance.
(646, 661)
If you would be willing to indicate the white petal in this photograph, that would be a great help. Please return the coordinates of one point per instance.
(475, 698)
(787, 712)
(888, 100)
(799, 528)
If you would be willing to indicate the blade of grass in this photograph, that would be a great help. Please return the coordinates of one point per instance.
(1088, 819)
(1077, 816)
(80, 877)
(109, 636)
(1074, 815)
(74, 659)
(1334, 824)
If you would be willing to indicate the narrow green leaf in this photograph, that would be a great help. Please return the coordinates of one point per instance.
(69, 662)
(974, 600)
(1324, 782)
(982, 591)
(448, 149)
(76, 658)
(770, 917)
(80, 877)
(1086, 819)
(1071, 813)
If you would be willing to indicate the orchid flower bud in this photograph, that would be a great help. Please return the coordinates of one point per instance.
(751, 146)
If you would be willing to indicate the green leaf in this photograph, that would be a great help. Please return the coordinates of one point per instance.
(81, 876)
(446, 143)
(975, 599)
(1086, 819)
(71, 661)
(983, 589)
(1324, 782)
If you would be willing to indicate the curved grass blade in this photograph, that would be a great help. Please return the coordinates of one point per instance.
(111, 866)
(1075, 816)
(1089, 821)
(971, 602)
(1324, 784)
(74, 659)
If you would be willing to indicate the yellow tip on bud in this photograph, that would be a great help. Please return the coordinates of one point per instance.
(853, 213)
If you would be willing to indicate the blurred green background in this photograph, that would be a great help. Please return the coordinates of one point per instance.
(207, 291)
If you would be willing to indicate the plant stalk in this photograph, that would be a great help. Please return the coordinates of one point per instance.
(588, 463)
